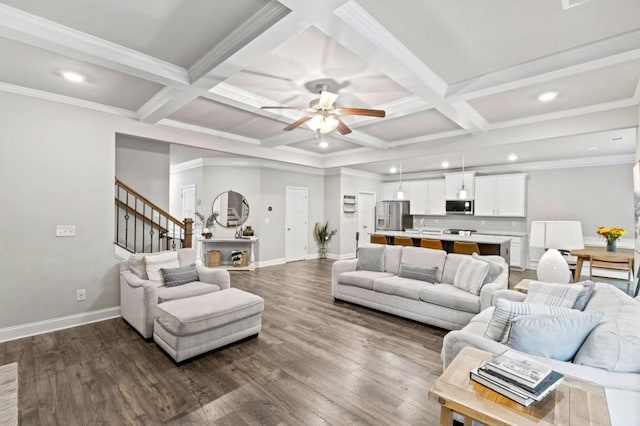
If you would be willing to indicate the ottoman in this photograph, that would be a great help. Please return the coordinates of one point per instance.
(188, 327)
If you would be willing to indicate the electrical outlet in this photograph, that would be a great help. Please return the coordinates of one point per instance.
(65, 230)
(81, 295)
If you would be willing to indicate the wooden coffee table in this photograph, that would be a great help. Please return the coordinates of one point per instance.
(574, 402)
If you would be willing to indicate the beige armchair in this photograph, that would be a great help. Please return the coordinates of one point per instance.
(139, 296)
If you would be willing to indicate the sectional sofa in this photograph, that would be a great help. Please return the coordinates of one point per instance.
(610, 355)
(441, 304)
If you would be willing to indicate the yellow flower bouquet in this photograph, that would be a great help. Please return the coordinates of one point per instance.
(611, 234)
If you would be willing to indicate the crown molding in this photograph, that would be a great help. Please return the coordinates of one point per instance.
(44, 34)
(244, 162)
(199, 129)
(345, 171)
(68, 100)
(432, 137)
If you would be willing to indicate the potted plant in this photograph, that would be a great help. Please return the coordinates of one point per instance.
(611, 235)
(323, 236)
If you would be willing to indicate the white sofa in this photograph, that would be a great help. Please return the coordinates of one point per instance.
(139, 296)
(622, 388)
(442, 305)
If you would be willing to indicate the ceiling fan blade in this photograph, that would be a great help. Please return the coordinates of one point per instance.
(298, 122)
(283, 107)
(343, 128)
(361, 111)
(327, 99)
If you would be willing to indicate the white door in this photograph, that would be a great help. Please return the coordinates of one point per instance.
(188, 194)
(296, 227)
(366, 217)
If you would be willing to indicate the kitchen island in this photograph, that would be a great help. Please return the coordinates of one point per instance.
(488, 244)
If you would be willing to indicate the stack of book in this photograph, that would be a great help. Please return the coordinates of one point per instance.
(519, 378)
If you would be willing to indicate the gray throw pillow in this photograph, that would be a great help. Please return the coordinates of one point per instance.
(562, 295)
(178, 276)
(585, 295)
(371, 259)
(552, 336)
(495, 269)
(417, 272)
(470, 275)
(506, 310)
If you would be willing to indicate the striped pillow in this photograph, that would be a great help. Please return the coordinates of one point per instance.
(507, 310)
(562, 295)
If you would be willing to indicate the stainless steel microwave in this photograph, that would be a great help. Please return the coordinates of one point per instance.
(459, 206)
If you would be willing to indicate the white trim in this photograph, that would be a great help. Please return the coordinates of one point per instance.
(60, 323)
(272, 262)
(311, 256)
(299, 151)
(341, 256)
(44, 34)
(187, 165)
(636, 93)
(345, 171)
(199, 129)
(120, 253)
(68, 100)
(244, 162)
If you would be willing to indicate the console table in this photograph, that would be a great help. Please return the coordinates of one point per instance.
(225, 246)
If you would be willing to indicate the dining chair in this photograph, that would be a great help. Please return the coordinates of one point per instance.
(432, 244)
(461, 247)
(402, 241)
(610, 263)
(378, 239)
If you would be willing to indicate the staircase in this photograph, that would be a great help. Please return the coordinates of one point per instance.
(143, 227)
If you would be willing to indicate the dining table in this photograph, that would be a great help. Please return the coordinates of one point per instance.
(586, 253)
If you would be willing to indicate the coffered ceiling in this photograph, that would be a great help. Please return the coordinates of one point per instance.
(453, 77)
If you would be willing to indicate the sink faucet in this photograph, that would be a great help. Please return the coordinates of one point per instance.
(421, 225)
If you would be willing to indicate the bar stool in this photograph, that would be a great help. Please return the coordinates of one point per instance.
(432, 244)
(378, 239)
(465, 248)
(402, 241)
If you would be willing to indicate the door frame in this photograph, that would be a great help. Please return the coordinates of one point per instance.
(373, 215)
(286, 200)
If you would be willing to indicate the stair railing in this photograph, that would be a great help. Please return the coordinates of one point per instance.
(142, 226)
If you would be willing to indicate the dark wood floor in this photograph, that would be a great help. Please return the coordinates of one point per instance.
(315, 362)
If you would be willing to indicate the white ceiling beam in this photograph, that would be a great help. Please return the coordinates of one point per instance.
(603, 53)
(636, 93)
(582, 124)
(42, 33)
(353, 27)
(269, 27)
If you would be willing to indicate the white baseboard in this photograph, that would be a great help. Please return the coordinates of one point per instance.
(272, 262)
(311, 256)
(46, 326)
(335, 256)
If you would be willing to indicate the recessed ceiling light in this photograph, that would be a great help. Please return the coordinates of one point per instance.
(593, 148)
(512, 157)
(445, 164)
(393, 169)
(323, 144)
(547, 96)
(73, 76)
(616, 139)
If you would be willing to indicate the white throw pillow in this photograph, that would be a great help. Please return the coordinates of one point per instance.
(470, 275)
(153, 264)
(495, 269)
(551, 294)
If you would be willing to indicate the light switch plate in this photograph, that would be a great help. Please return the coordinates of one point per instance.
(65, 230)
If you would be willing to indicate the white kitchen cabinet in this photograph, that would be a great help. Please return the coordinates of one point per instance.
(501, 195)
(389, 191)
(427, 197)
(516, 257)
(453, 184)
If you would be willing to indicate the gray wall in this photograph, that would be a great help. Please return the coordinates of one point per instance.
(349, 221)
(332, 211)
(596, 196)
(57, 165)
(144, 165)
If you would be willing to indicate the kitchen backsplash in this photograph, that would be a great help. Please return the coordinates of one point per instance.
(472, 222)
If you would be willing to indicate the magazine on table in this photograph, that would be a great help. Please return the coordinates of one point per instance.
(545, 387)
(510, 393)
(520, 368)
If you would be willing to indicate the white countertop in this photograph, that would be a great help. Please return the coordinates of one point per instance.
(475, 238)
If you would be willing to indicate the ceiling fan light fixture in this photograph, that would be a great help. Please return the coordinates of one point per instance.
(323, 144)
(322, 123)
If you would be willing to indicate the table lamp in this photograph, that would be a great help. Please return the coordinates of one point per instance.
(553, 236)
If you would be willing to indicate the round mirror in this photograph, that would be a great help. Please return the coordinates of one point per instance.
(231, 207)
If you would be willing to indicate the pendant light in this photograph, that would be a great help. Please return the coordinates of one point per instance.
(400, 194)
(462, 195)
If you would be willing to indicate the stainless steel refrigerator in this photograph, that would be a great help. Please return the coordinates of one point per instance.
(393, 216)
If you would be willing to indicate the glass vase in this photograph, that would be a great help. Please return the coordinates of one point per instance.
(611, 245)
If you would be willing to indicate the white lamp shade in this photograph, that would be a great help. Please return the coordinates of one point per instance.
(462, 195)
(400, 194)
(562, 235)
(553, 268)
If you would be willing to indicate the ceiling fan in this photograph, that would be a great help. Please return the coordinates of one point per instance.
(323, 115)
